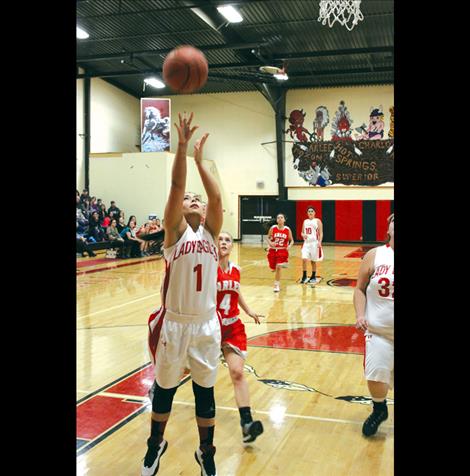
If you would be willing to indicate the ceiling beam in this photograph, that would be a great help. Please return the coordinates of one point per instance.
(134, 54)
(318, 54)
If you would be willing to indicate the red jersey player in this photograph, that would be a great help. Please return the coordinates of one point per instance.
(280, 239)
(233, 334)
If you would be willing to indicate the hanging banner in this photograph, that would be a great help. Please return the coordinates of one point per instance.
(155, 122)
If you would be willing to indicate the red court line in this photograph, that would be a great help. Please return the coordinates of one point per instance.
(92, 262)
(116, 266)
(98, 414)
(326, 338)
(137, 384)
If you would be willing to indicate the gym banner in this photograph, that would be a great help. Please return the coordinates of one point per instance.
(155, 125)
(363, 163)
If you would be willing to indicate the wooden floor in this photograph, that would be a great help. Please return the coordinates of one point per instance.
(306, 355)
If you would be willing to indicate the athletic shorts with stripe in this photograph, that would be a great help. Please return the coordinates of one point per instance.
(175, 345)
(234, 336)
(379, 359)
(279, 256)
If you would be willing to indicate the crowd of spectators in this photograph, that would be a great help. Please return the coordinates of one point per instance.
(98, 224)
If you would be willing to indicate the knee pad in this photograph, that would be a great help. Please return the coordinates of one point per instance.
(162, 399)
(205, 403)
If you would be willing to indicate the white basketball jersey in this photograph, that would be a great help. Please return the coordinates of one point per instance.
(380, 294)
(311, 229)
(189, 290)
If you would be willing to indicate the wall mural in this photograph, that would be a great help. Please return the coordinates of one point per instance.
(354, 156)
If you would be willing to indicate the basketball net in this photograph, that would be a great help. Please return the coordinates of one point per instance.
(346, 12)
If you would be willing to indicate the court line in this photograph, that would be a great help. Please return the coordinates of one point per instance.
(290, 415)
(235, 409)
(118, 306)
(96, 270)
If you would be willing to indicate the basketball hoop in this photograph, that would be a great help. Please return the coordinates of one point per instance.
(346, 12)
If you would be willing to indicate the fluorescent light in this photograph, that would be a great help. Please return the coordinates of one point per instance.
(155, 82)
(230, 14)
(282, 76)
(82, 34)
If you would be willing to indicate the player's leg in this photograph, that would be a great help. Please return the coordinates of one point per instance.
(156, 445)
(277, 278)
(378, 369)
(203, 360)
(313, 277)
(304, 278)
(250, 429)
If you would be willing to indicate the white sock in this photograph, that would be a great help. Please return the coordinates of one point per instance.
(378, 400)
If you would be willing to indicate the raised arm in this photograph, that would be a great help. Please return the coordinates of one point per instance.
(359, 298)
(175, 224)
(214, 213)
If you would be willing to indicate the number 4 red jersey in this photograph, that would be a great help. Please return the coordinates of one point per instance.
(228, 287)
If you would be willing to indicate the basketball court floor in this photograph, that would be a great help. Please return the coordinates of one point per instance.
(304, 369)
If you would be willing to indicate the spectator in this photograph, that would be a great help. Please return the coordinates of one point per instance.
(84, 195)
(113, 210)
(82, 222)
(83, 247)
(106, 222)
(93, 205)
(137, 245)
(121, 224)
(86, 207)
(121, 214)
(95, 232)
(144, 230)
(102, 212)
(115, 239)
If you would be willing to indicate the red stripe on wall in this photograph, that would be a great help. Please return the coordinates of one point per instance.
(301, 214)
(382, 212)
(348, 220)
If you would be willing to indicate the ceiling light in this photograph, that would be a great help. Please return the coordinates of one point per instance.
(232, 15)
(155, 82)
(82, 34)
(281, 76)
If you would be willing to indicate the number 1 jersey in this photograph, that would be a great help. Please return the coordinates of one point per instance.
(189, 289)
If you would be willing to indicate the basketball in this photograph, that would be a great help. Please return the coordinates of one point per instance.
(185, 69)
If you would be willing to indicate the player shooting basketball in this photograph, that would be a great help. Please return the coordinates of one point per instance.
(186, 328)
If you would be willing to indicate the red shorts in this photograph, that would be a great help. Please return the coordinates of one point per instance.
(277, 256)
(234, 336)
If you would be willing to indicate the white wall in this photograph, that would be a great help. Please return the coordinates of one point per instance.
(114, 119)
(139, 183)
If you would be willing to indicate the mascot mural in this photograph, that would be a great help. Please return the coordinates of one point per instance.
(363, 159)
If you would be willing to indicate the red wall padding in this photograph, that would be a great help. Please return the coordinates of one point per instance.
(348, 220)
(301, 214)
(382, 212)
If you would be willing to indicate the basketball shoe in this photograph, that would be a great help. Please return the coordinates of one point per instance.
(304, 280)
(152, 457)
(277, 287)
(312, 281)
(378, 415)
(251, 431)
(205, 459)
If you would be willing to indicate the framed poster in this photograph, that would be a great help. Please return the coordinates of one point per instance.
(155, 122)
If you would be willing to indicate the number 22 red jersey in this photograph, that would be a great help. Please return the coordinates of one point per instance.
(280, 237)
(228, 287)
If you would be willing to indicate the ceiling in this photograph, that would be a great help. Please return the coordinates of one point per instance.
(129, 40)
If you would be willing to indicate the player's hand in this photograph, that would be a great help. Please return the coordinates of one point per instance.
(304, 236)
(255, 316)
(361, 323)
(185, 132)
(198, 146)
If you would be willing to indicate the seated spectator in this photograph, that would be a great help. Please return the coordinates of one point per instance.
(82, 222)
(93, 205)
(102, 212)
(115, 239)
(86, 207)
(130, 236)
(143, 231)
(106, 222)
(121, 224)
(155, 225)
(82, 245)
(84, 195)
(113, 210)
(95, 232)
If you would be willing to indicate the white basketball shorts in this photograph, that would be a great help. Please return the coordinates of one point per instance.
(178, 345)
(379, 359)
(312, 251)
